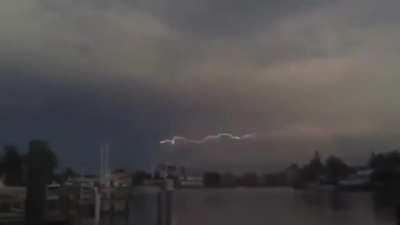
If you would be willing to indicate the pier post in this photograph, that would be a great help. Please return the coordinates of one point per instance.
(164, 203)
(160, 211)
(168, 205)
(97, 204)
(38, 176)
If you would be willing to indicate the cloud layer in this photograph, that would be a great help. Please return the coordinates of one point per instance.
(300, 74)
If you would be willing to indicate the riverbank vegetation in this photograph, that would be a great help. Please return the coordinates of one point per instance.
(382, 171)
(15, 165)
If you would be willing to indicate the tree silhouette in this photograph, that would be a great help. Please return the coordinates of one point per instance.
(386, 168)
(41, 163)
(336, 169)
(12, 166)
(249, 179)
(212, 179)
(68, 173)
(139, 177)
(313, 169)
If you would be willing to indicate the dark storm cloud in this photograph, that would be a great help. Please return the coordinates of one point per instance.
(77, 119)
(204, 18)
(227, 18)
(302, 75)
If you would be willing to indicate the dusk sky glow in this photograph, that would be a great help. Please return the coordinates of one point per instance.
(224, 84)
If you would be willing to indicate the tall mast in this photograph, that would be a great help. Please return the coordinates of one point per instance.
(101, 172)
(104, 173)
(103, 164)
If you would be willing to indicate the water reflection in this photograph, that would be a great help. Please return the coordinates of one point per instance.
(331, 200)
(264, 207)
(385, 204)
(277, 206)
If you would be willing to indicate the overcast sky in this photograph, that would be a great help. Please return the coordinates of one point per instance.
(289, 76)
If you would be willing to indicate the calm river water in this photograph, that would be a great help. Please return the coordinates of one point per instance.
(265, 207)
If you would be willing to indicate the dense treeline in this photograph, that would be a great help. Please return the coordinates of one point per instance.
(35, 170)
(330, 172)
(385, 169)
(15, 167)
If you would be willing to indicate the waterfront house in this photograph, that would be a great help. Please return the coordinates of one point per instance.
(121, 178)
(190, 182)
(359, 179)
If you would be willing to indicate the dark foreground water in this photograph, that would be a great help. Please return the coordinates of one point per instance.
(264, 207)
